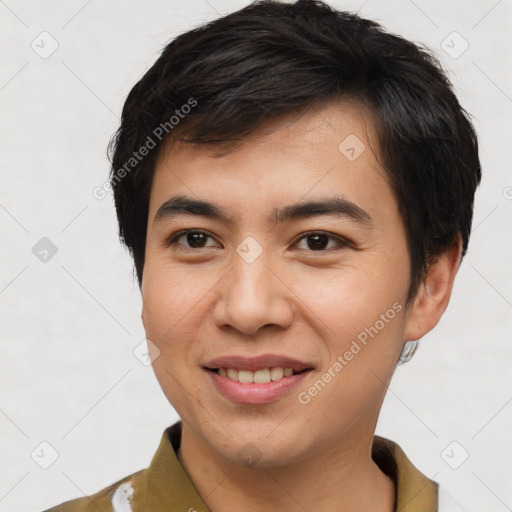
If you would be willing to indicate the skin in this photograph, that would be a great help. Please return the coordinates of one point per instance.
(201, 303)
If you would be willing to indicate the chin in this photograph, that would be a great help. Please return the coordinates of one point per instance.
(263, 447)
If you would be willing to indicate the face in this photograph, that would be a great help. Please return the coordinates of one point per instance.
(252, 286)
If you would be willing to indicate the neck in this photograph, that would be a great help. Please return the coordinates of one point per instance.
(342, 478)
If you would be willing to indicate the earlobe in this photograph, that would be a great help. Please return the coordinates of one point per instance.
(434, 293)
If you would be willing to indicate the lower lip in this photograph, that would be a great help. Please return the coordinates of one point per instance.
(253, 393)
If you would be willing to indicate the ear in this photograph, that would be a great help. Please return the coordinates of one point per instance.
(434, 293)
(142, 317)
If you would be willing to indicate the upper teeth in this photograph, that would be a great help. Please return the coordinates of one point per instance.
(259, 376)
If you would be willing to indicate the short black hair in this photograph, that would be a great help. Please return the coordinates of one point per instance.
(217, 83)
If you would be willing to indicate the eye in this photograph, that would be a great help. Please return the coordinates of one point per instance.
(316, 241)
(194, 238)
(319, 240)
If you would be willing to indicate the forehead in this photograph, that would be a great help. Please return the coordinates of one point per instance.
(323, 150)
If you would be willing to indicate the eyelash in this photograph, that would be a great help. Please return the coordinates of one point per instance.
(342, 243)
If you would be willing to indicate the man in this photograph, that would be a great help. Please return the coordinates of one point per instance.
(296, 188)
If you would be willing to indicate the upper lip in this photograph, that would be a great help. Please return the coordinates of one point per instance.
(256, 363)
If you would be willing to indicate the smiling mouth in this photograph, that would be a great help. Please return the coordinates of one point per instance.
(262, 376)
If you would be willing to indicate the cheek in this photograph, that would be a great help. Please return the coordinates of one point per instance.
(358, 312)
(365, 347)
(175, 302)
(169, 292)
(350, 297)
(171, 304)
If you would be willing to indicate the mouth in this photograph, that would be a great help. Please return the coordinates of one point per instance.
(261, 376)
(264, 368)
(256, 380)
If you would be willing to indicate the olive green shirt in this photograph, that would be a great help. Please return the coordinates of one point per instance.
(166, 487)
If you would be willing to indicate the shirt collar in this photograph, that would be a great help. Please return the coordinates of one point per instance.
(414, 491)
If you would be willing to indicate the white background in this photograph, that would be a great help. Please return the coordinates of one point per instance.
(68, 326)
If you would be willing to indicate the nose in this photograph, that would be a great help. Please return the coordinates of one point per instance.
(252, 296)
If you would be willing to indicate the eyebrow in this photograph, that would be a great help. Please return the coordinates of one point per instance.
(333, 206)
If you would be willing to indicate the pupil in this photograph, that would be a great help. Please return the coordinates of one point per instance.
(317, 245)
(195, 239)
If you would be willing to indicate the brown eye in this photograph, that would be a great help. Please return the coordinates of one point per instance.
(193, 239)
(319, 241)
